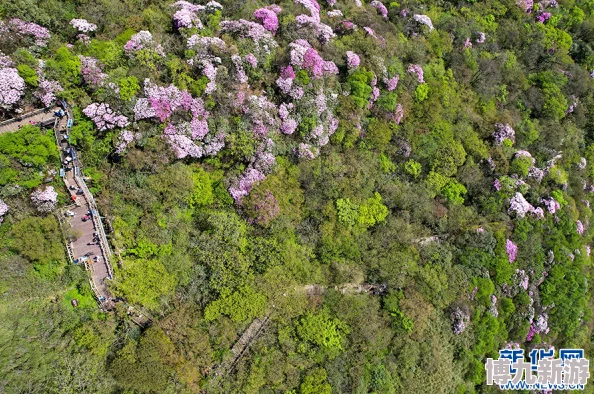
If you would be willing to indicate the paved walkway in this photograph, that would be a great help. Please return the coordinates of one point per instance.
(90, 246)
(33, 116)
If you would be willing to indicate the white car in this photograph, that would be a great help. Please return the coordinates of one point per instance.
(69, 213)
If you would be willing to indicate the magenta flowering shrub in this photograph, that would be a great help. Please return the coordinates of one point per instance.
(3, 210)
(186, 16)
(23, 30)
(519, 206)
(423, 20)
(526, 5)
(86, 40)
(551, 204)
(512, 250)
(5, 61)
(45, 200)
(398, 114)
(323, 32)
(46, 91)
(124, 139)
(391, 83)
(580, 227)
(143, 40)
(91, 71)
(543, 17)
(240, 72)
(460, 319)
(380, 7)
(268, 18)
(497, 184)
(307, 58)
(164, 100)
(83, 26)
(261, 113)
(418, 70)
(104, 117)
(353, 60)
(12, 87)
(255, 33)
(251, 60)
(503, 132)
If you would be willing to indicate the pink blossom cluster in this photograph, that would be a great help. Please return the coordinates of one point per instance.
(391, 83)
(418, 70)
(519, 205)
(285, 80)
(251, 60)
(257, 33)
(5, 61)
(521, 279)
(398, 114)
(47, 90)
(551, 204)
(543, 17)
(288, 119)
(375, 92)
(511, 249)
(497, 184)
(238, 62)
(493, 309)
(467, 43)
(583, 163)
(306, 151)
(573, 106)
(3, 210)
(380, 7)
(261, 114)
(45, 200)
(334, 13)
(541, 326)
(580, 227)
(165, 100)
(536, 173)
(124, 139)
(353, 60)
(526, 5)
(184, 146)
(86, 40)
(346, 26)
(91, 71)
(460, 319)
(83, 25)
(369, 31)
(244, 184)
(143, 40)
(12, 87)
(23, 29)
(186, 16)
(268, 18)
(423, 20)
(503, 132)
(306, 57)
(104, 117)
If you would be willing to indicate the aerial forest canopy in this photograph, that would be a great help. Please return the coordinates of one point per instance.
(256, 163)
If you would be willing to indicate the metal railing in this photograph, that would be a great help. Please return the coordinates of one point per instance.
(20, 118)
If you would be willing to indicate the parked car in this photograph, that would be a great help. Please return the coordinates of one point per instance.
(69, 213)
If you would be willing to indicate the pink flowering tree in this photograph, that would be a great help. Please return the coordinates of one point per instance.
(3, 210)
(380, 7)
(187, 15)
(512, 250)
(26, 30)
(12, 87)
(91, 71)
(104, 117)
(460, 320)
(143, 41)
(503, 132)
(353, 60)
(267, 16)
(45, 200)
(46, 92)
(83, 26)
(418, 71)
(423, 20)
